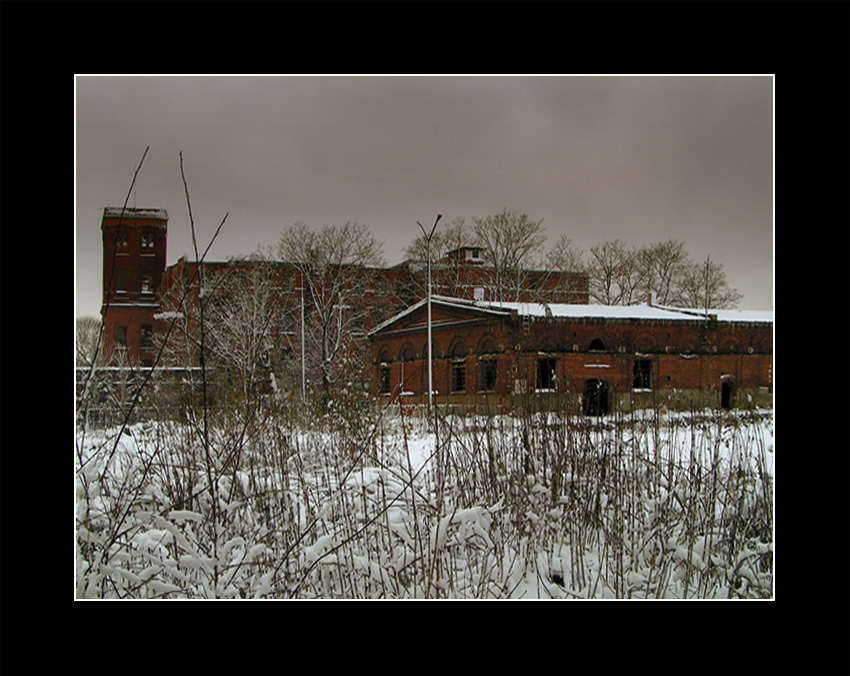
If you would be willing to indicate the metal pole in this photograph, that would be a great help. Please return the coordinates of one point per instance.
(430, 356)
(303, 365)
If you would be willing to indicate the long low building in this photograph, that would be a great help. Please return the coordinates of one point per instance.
(489, 356)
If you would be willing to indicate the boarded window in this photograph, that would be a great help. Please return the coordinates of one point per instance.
(546, 373)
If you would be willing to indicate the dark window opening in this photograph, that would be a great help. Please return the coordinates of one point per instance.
(385, 379)
(121, 335)
(642, 375)
(147, 281)
(488, 375)
(120, 279)
(726, 394)
(147, 336)
(459, 376)
(595, 399)
(546, 373)
(597, 344)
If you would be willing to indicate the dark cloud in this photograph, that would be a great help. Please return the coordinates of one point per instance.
(639, 159)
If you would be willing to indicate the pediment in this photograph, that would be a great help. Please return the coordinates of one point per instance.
(444, 312)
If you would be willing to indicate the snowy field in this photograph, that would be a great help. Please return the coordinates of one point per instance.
(654, 506)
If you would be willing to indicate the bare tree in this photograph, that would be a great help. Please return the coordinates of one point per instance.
(512, 244)
(705, 286)
(334, 264)
(248, 310)
(564, 258)
(661, 266)
(612, 273)
(88, 338)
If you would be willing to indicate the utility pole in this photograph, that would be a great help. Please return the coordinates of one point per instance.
(428, 237)
(303, 349)
(439, 486)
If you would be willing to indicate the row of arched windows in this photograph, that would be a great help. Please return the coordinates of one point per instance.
(458, 348)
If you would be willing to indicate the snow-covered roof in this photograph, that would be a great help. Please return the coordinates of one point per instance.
(643, 311)
(115, 212)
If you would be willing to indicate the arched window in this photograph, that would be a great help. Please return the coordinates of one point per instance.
(597, 345)
(384, 373)
(488, 346)
(458, 354)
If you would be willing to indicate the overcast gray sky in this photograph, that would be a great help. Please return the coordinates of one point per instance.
(640, 159)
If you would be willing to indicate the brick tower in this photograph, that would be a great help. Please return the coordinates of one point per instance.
(134, 243)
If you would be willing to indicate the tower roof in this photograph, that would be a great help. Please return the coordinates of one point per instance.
(134, 214)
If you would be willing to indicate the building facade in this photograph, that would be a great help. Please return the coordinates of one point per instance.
(489, 356)
(134, 255)
(146, 302)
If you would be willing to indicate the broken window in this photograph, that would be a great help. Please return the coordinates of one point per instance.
(459, 376)
(546, 370)
(384, 379)
(642, 375)
(595, 399)
(488, 375)
(147, 240)
(147, 281)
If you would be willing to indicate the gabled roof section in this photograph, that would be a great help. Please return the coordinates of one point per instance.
(445, 302)
(644, 311)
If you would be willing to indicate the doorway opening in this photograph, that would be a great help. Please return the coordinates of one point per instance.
(727, 394)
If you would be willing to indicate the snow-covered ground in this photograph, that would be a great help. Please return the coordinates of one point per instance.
(652, 506)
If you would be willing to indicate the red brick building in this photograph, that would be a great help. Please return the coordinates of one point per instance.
(546, 343)
(134, 249)
(495, 356)
(141, 296)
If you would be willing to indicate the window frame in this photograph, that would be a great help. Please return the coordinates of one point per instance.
(642, 375)
(120, 336)
(458, 367)
(488, 363)
(552, 371)
(385, 378)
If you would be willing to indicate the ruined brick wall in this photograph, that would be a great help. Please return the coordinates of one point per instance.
(683, 363)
